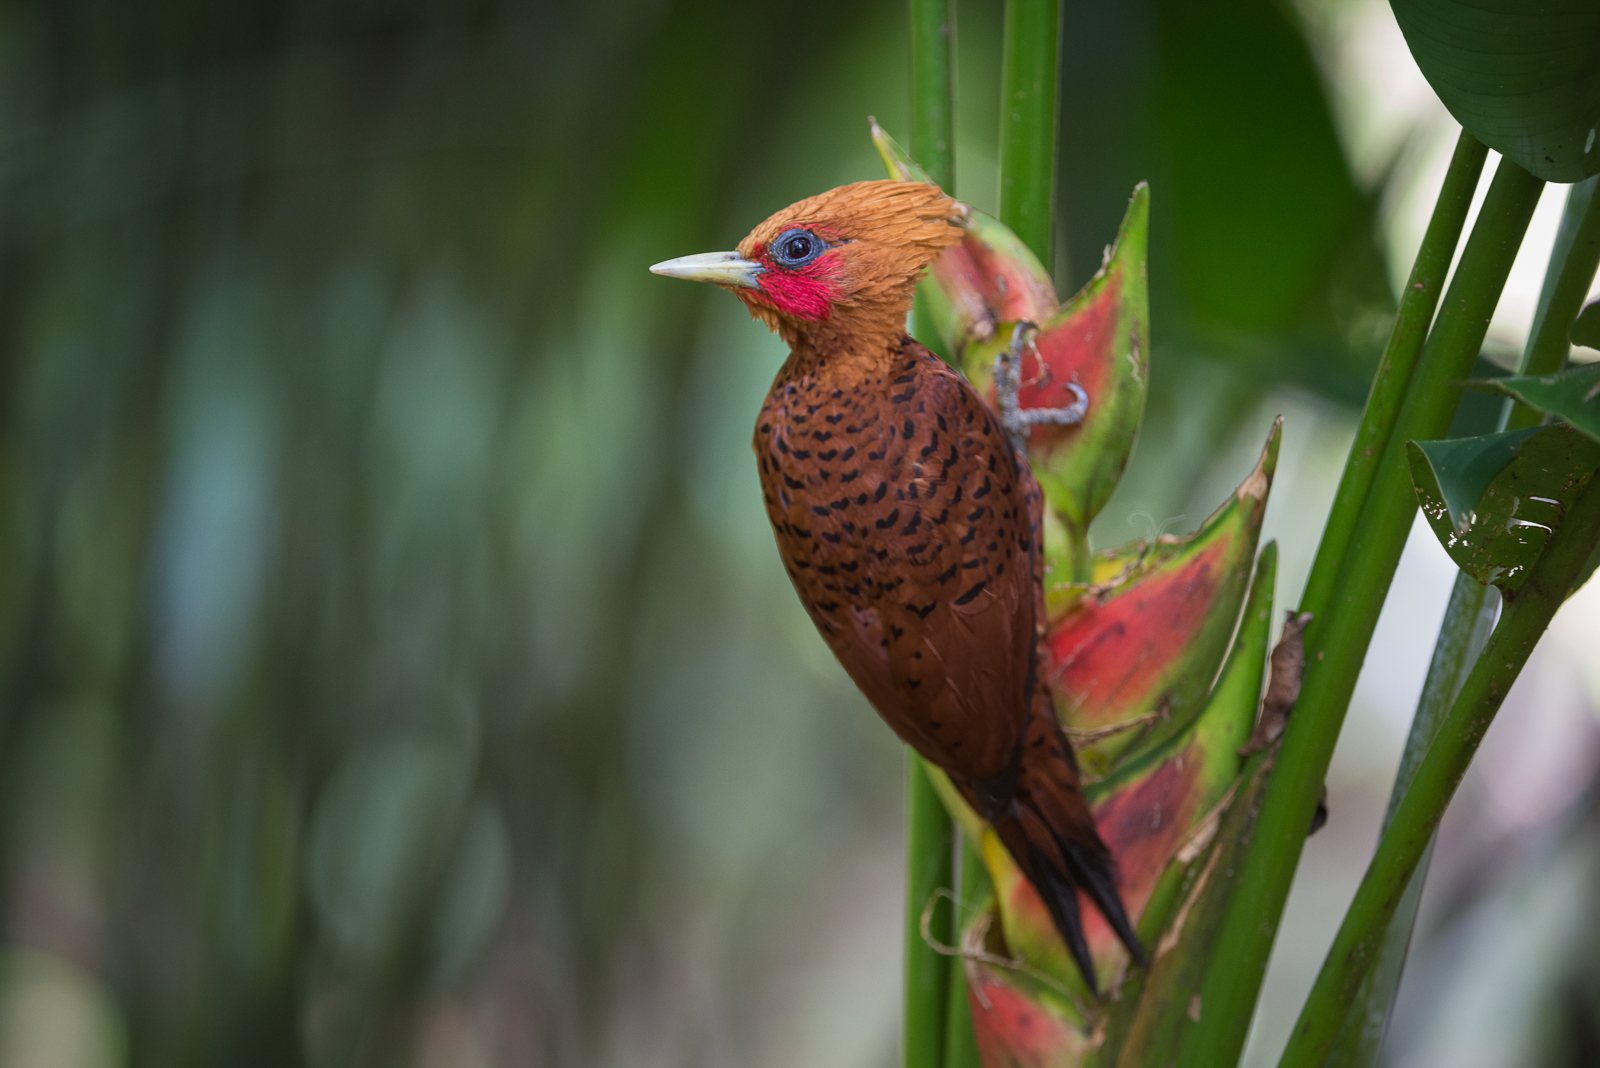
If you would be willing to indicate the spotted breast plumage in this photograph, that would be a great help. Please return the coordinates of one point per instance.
(909, 524)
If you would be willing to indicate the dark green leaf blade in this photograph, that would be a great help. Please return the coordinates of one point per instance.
(1522, 78)
(1586, 331)
(1493, 501)
(1573, 395)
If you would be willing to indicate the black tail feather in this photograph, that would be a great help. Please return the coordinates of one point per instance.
(1062, 900)
(1094, 872)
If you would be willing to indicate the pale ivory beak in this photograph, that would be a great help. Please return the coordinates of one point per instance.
(718, 268)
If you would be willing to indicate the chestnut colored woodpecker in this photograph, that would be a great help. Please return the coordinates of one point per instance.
(909, 522)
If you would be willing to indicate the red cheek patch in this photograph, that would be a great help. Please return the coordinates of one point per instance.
(807, 294)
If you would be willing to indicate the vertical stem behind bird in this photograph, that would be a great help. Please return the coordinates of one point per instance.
(929, 834)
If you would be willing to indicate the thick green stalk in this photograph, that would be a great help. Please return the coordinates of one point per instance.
(929, 836)
(1028, 77)
(1573, 261)
(1417, 305)
(1467, 621)
(933, 90)
(960, 1045)
(927, 972)
(933, 107)
(1521, 625)
(1337, 641)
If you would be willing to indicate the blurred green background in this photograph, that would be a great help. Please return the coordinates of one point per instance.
(395, 667)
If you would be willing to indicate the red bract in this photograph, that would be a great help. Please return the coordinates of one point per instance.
(1139, 652)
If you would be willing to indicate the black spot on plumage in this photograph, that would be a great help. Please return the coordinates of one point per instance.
(977, 588)
(817, 509)
(802, 454)
(848, 452)
(883, 488)
(948, 575)
(983, 490)
(830, 454)
(910, 430)
(792, 483)
(850, 475)
(922, 612)
(911, 527)
(889, 520)
(901, 398)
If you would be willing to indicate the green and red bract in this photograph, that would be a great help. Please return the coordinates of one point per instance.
(1100, 341)
(1018, 1020)
(1131, 660)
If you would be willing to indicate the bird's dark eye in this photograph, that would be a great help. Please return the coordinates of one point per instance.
(796, 248)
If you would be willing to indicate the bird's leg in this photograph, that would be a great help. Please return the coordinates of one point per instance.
(1017, 421)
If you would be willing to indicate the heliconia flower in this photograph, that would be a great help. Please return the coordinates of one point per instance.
(1130, 660)
(1159, 815)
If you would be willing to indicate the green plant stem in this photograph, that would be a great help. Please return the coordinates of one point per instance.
(933, 138)
(1417, 305)
(1467, 620)
(933, 90)
(960, 1044)
(927, 972)
(1521, 625)
(929, 835)
(1028, 77)
(1573, 261)
(1337, 640)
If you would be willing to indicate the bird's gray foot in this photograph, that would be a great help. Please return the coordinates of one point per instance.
(1017, 421)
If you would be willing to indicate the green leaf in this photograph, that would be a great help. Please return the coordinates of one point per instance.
(1522, 78)
(1586, 331)
(1573, 395)
(1493, 501)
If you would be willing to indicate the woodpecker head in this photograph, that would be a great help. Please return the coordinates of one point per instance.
(843, 263)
